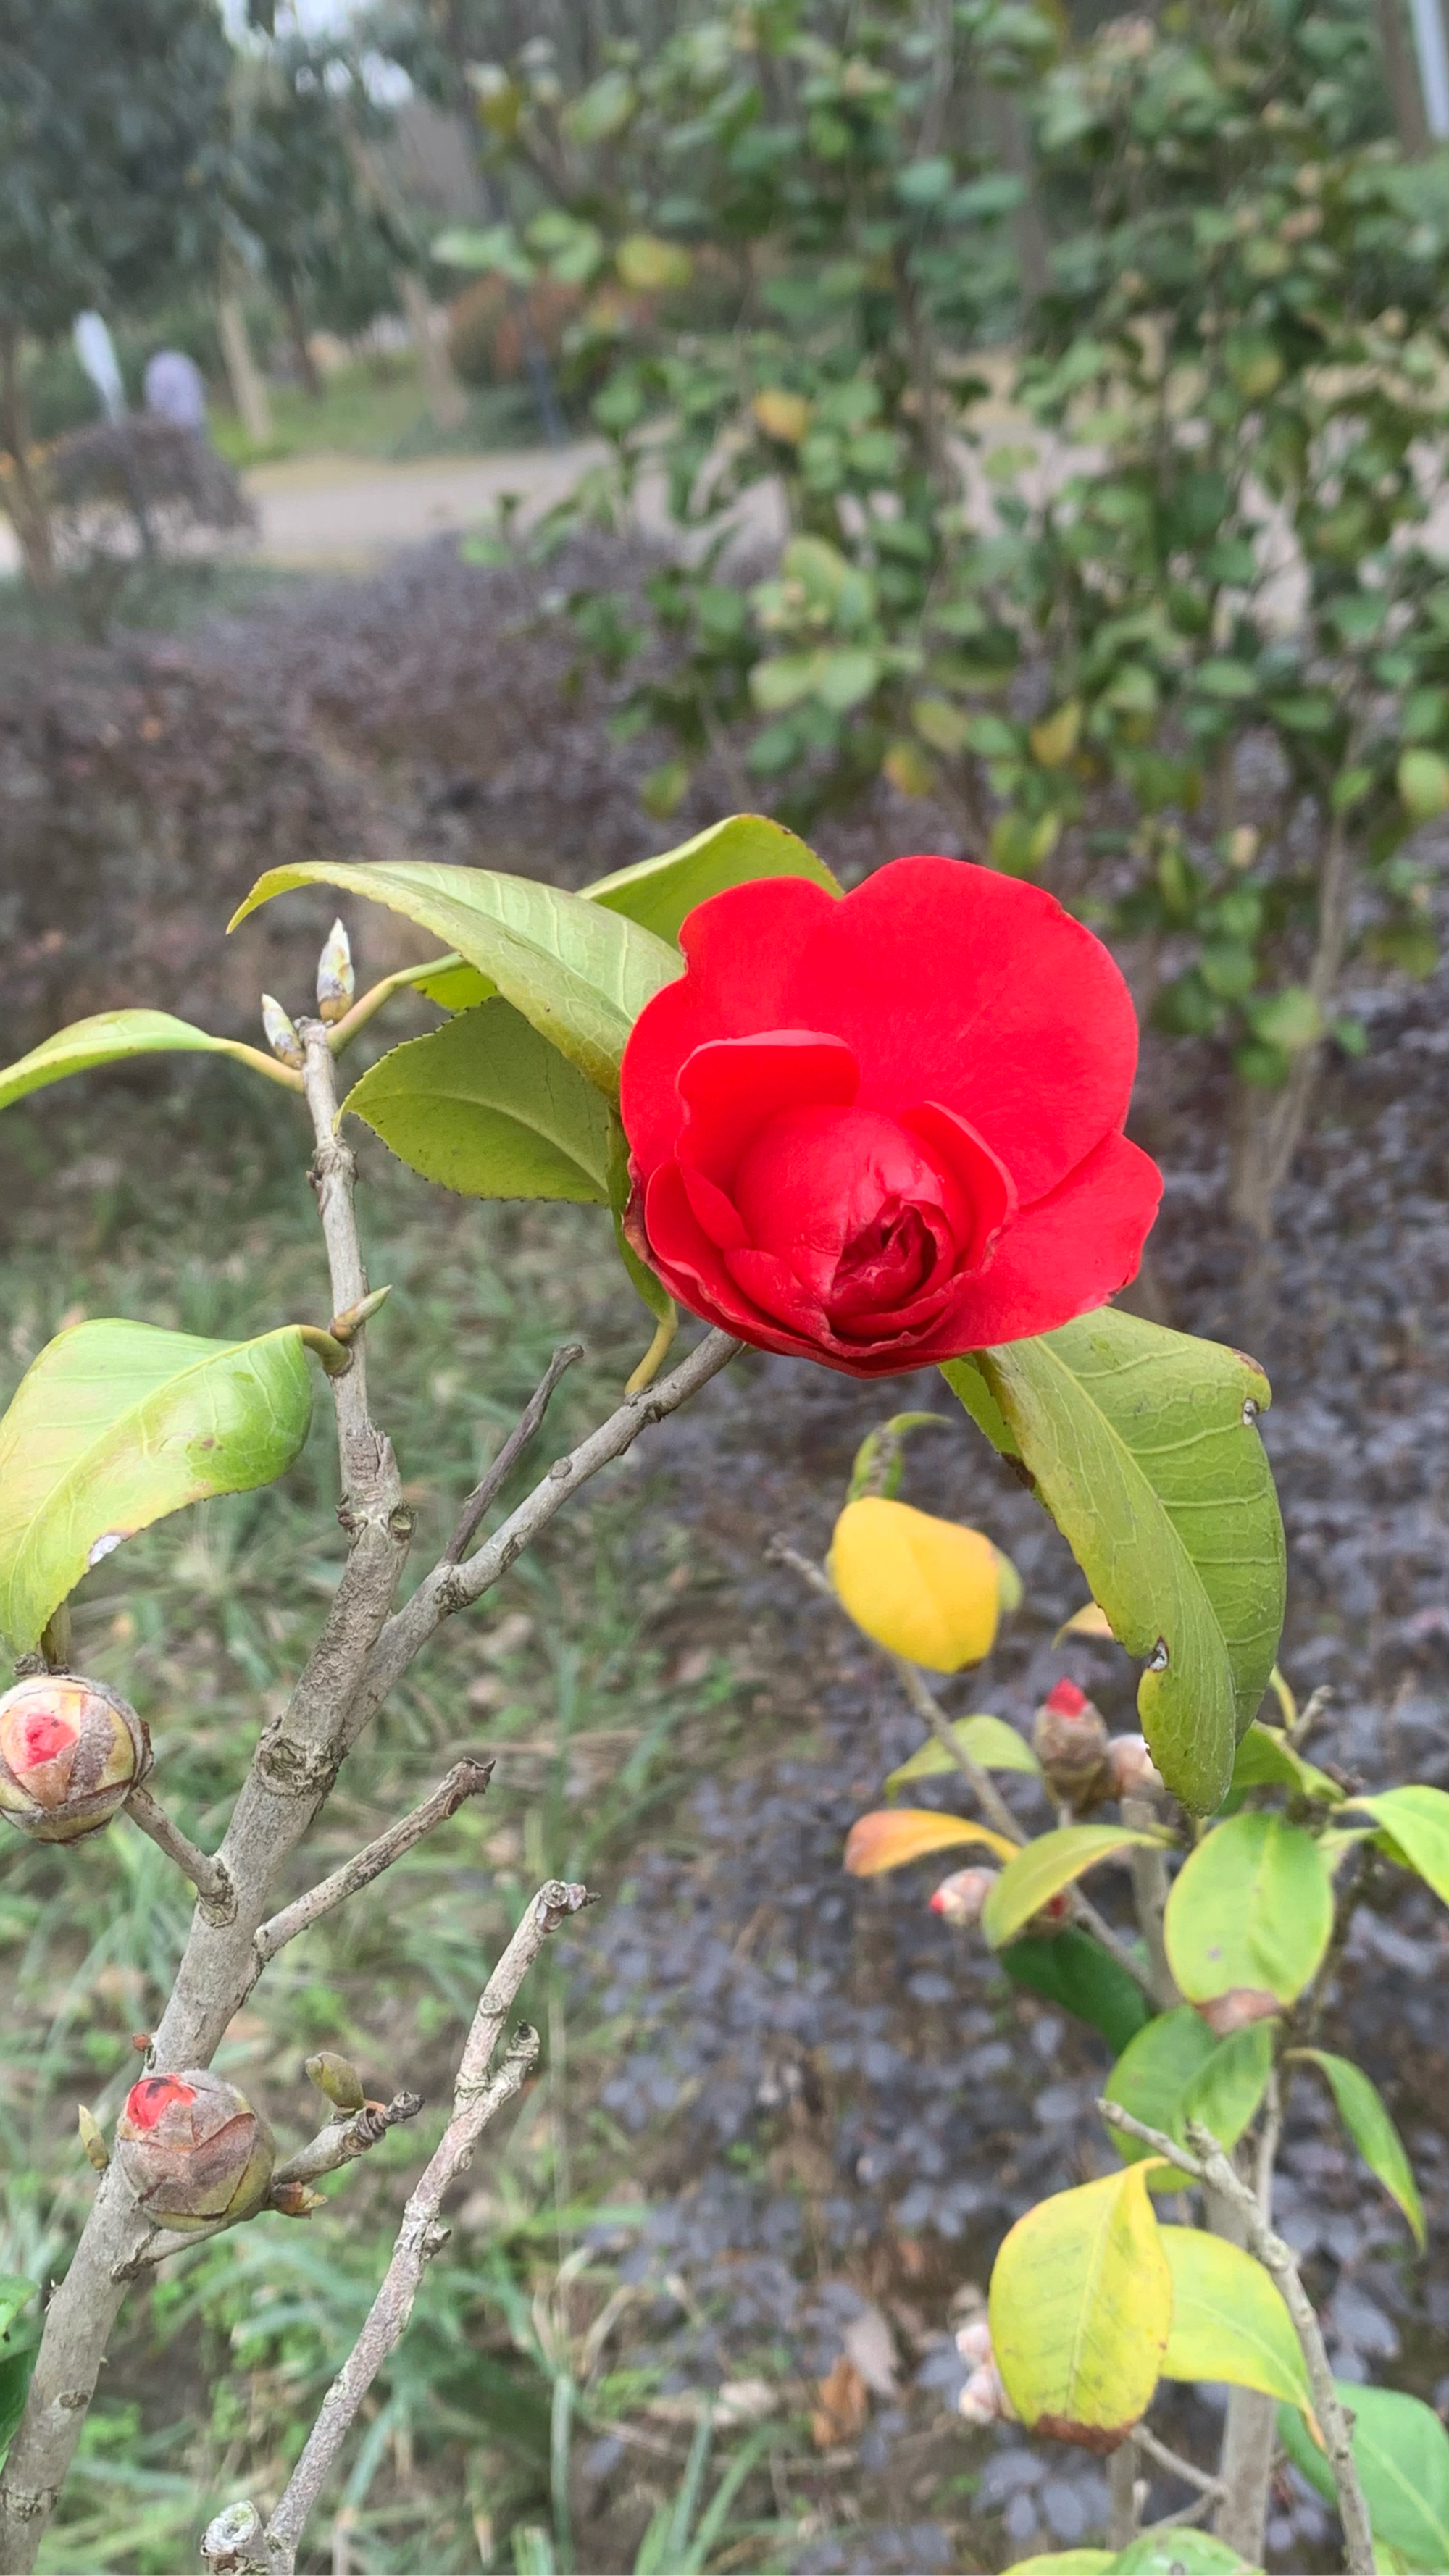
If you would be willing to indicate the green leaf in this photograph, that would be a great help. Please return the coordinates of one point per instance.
(646, 1283)
(986, 1740)
(1266, 1760)
(1151, 2076)
(1229, 2320)
(15, 2374)
(1071, 1969)
(1416, 1823)
(487, 1107)
(658, 893)
(1143, 1448)
(114, 1037)
(1080, 2309)
(452, 984)
(579, 973)
(1401, 2453)
(15, 2293)
(1065, 2562)
(1052, 1862)
(116, 1424)
(1225, 2093)
(1250, 1912)
(1181, 2553)
(1365, 2115)
(968, 1384)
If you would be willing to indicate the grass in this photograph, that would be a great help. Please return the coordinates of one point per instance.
(186, 1205)
(362, 412)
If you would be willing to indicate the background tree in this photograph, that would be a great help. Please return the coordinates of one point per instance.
(113, 140)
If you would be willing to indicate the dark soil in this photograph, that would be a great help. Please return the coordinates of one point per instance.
(840, 2104)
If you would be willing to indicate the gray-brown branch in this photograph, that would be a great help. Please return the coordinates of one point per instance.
(210, 1877)
(477, 2098)
(491, 1483)
(467, 1779)
(1205, 2161)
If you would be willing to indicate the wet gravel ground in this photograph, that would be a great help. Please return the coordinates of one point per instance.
(858, 2104)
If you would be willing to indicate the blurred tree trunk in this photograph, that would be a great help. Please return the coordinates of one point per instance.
(22, 489)
(446, 399)
(306, 364)
(1401, 77)
(248, 390)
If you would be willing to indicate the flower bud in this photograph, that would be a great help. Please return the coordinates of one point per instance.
(1069, 1739)
(1133, 1771)
(71, 1752)
(973, 2342)
(193, 2150)
(984, 2400)
(338, 2079)
(336, 982)
(281, 1034)
(925, 1589)
(960, 1897)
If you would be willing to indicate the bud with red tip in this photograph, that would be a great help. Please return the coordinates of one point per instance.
(983, 2400)
(1134, 1773)
(1069, 1739)
(960, 1897)
(71, 1752)
(193, 2150)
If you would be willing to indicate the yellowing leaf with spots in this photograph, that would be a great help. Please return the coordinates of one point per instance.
(1081, 2309)
(890, 1836)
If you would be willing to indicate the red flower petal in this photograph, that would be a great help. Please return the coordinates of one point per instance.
(954, 983)
(741, 947)
(732, 1086)
(1061, 1258)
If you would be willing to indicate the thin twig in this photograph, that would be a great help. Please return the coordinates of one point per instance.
(451, 1588)
(1174, 2465)
(467, 1779)
(210, 1877)
(1205, 2161)
(343, 2141)
(983, 1788)
(494, 1478)
(477, 2097)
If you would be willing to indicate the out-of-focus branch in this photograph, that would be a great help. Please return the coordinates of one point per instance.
(467, 1779)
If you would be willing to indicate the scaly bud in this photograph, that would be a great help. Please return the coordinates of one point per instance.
(1069, 1739)
(925, 1589)
(339, 2081)
(71, 1752)
(193, 2150)
(280, 1032)
(960, 1897)
(1133, 1772)
(93, 2145)
(336, 982)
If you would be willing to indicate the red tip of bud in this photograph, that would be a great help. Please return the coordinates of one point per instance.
(1065, 1700)
(149, 2100)
(37, 1737)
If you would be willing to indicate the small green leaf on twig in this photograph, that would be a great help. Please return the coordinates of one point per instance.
(97, 2152)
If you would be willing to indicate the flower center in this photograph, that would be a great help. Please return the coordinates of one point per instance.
(147, 2101)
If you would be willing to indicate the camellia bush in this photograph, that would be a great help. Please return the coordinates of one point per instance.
(1168, 636)
(874, 1132)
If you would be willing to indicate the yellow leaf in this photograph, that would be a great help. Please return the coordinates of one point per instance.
(926, 1589)
(1081, 2306)
(649, 266)
(781, 415)
(1049, 1864)
(1090, 1621)
(1054, 740)
(1229, 2320)
(890, 1836)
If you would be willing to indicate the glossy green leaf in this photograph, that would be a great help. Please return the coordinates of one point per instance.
(1225, 2093)
(15, 2375)
(1229, 2320)
(1365, 2115)
(1416, 1822)
(579, 974)
(115, 1037)
(1052, 1862)
(1151, 2076)
(1250, 1912)
(988, 1741)
(487, 1107)
(1266, 1760)
(658, 893)
(1065, 2562)
(453, 984)
(646, 1283)
(1143, 1447)
(116, 1424)
(1401, 2452)
(1071, 1969)
(1080, 2309)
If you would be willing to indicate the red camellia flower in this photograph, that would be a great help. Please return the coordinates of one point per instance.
(884, 1130)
